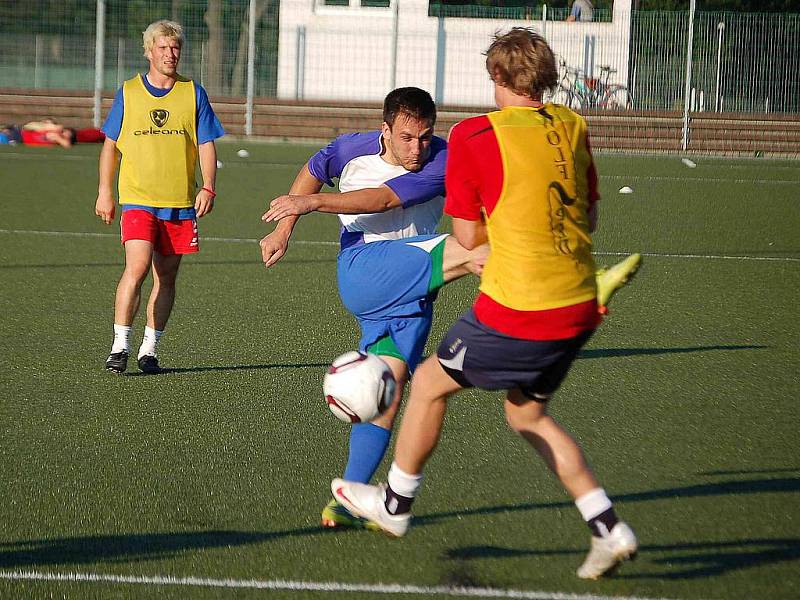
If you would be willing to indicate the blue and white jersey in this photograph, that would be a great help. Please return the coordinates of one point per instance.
(355, 159)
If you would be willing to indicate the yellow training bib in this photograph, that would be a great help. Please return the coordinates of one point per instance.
(158, 143)
(539, 230)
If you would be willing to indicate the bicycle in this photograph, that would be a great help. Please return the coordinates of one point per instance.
(566, 91)
(579, 92)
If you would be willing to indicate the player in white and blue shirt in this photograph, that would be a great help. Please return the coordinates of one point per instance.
(392, 261)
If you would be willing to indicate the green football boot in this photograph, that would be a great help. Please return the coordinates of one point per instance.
(613, 278)
(335, 515)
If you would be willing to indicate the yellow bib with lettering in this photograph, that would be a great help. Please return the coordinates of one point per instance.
(158, 143)
(539, 229)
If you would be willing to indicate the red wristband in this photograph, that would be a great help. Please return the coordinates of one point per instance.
(212, 192)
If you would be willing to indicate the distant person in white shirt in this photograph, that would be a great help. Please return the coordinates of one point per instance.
(582, 10)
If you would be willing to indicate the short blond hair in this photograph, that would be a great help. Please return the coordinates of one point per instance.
(522, 61)
(168, 29)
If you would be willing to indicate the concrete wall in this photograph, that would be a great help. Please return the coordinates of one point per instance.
(348, 53)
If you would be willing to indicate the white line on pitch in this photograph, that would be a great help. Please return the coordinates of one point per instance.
(305, 586)
(330, 243)
(48, 156)
(704, 256)
(700, 179)
(116, 235)
(82, 157)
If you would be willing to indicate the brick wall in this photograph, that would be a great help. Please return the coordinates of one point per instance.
(731, 134)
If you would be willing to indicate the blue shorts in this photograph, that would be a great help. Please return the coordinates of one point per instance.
(389, 286)
(475, 355)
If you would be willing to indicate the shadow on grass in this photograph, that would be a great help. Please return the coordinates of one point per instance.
(684, 561)
(693, 560)
(712, 557)
(612, 352)
(167, 370)
(723, 488)
(750, 471)
(586, 354)
(132, 547)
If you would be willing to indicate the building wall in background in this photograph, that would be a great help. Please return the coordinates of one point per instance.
(347, 52)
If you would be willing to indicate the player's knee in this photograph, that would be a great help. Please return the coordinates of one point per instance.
(135, 273)
(166, 278)
(387, 418)
(525, 413)
(390, 414)
(518, 422)
(167, 281)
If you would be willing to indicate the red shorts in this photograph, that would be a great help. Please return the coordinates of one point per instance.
(167, 237)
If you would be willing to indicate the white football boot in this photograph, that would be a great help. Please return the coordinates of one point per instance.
(367, 501)
(607, 552)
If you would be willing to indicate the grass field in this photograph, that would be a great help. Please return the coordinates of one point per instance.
(207, 481)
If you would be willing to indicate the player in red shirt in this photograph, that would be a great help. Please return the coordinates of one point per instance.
(523, 179)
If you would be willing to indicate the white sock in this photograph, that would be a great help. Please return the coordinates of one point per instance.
(402, 483)
(593, 503)
(122, 338)
(149, 342)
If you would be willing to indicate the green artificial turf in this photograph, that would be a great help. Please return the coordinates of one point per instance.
(685, 402)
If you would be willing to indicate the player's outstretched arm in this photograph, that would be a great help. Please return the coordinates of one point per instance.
(105, 206)
(274, 244)
(366, 201)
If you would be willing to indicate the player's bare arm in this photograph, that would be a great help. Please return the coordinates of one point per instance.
(366, 201)
(105, 206)
(274, 244)
(470, 234)
(204, 201)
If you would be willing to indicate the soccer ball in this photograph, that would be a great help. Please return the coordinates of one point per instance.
(358, 387)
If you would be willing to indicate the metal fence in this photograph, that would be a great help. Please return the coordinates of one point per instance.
(740, 61)
(51, 45)
(743, 62)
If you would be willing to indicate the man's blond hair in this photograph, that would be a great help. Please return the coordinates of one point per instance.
(168, 29)
(522, 61)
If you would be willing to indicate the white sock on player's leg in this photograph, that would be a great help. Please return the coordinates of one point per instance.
(150, 341)
(122, 338)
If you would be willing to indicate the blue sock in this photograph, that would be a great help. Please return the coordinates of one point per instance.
(368, 444)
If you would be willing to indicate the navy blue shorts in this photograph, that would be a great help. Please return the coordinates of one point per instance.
(476, 355)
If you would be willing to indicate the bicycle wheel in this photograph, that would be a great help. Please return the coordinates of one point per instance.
(560, 96)
(617, 98)
(566, 97)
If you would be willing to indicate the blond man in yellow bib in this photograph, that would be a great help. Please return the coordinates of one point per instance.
(160, 126)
